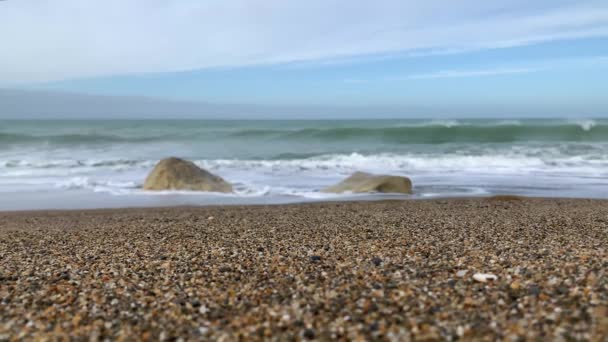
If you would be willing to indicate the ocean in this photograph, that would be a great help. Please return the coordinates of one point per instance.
(65, 164)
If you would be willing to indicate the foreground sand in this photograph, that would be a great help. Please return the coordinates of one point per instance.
(388, 270)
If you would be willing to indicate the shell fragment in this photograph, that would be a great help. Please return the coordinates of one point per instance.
(484, 277)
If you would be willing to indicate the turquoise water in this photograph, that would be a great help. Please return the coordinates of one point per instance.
(390, 134)
(282, 161)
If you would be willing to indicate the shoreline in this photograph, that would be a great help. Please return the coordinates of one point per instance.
(371, 199)
(401, 269)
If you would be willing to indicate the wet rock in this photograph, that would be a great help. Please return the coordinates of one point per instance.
(367, 182)
(178, 174)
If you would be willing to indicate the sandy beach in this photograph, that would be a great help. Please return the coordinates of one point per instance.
(395, 270)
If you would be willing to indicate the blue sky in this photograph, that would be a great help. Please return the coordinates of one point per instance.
(541, 56)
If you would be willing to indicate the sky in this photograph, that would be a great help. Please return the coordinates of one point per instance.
(459, 57)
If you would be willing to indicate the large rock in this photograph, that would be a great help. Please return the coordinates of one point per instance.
(178, 174)
(367, 182)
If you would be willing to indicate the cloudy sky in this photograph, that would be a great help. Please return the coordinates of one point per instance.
(543, 56)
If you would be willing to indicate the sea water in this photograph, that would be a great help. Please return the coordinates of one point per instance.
(97, 163)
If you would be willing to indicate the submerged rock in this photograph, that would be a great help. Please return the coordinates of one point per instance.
(178, 174)
(367, 182)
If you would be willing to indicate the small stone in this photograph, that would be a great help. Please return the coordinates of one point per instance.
(469, 302)
(308, 334)
(75, 321)
(461, 273)
(315, 258)
(533, 290)
(484, 277)
(295, 269)
(377, 261)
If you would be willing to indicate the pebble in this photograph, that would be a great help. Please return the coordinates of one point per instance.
(484, 277)
(308, 271)
(377, 261)
(308, 334)
(533, 290)
(461, 273)
(315, 258)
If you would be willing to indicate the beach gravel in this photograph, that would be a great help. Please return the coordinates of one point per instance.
(392, 270)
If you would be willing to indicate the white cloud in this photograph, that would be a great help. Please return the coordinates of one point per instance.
(517, 67)
(45, 40)
(472, 73)
(497, 71)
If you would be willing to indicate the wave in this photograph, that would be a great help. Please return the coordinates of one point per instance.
(96, 185)
(133, 188)
(399, 133)
(387, 162)
(443, 132)
(75, 139)
(74, 163)
(586, 125)
(509, 123)
(433, 174)
(458, 156)
(444, 123)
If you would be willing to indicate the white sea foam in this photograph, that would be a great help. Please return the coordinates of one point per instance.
(508, 123)
(474, 158)
(115, 164)
(586, 124)
(445, 123)
(94, 185)
(346, 163)
(517, 160)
